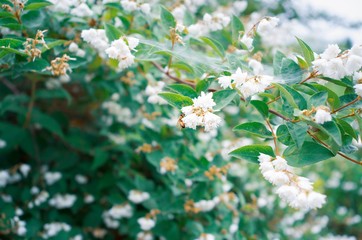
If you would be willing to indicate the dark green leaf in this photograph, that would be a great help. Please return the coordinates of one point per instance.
(261, 106)
(183, 89)
(176, 100)
(223, 98)
(252, 152)
(255, 128)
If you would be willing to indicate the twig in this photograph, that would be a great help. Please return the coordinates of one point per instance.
(173, 77)
(274, 137)
(31, 103)
(339, 153)
(346, 105)
(311, 75)
(11, 86)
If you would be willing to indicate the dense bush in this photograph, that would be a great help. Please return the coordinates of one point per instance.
(162, 120)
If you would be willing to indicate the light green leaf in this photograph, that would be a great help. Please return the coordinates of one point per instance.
(236, 28)
(184, 90)
(112, 32)
(298, 132)
(223, 98)
(251, 153)
(309, 153)
(261, 106)
(307, 52)
(286, 95)
(167, 19)
(255, 128)
(215, 45)
(176, 100)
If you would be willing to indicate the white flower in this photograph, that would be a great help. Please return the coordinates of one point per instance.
(121, 211)
(62, 201)
(145, 8)
(81, 179)
(88, 198)
(239, 77)
(200, 113)
(146, 223)
(211, 121)
(206, 236)
(256, 66)
(25, 169)
(82, 10)
(120, 51)
(357, 76)
(188, 182)
(136, 196)
(52, 229)
(96, 38)
(225, 81)
(152, 92)
(331, 52)
(295, 190)
(322, 116)
(358, 89)
(280, 164)
(52, 177)
(128, 5)
(41, 198)
(4, 178)
(144, 236)
(247, 41)
(2, 143)
(205, 205)
(267, 24)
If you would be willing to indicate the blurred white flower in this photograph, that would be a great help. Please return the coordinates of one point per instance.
(322, 116)
(136, 196)
(52, 177)
(146, 224)
(61, 201)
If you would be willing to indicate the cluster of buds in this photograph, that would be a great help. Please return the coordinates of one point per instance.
(190, 207)
(60, 66)
(217, 172)
(322, 114)
(168, 165)
(17, 8)
(175, 37)
(31, 45)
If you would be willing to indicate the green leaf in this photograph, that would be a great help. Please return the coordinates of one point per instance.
(277, 62)
(255, 128)
(100, 158)
(261, 106)
(46, 122)
(308, 53)
(286, 95)
(330, 129)
(318, 99)
(176, 100)
(215, 45)
(202, 85)
(236, 27)
(298, 132)
(54, 93)
(34, 5)
(284, 136)
(167, 19)
(290, 71)
(309, 153)
(184, 90)
(347, 128)
(251, 153)
(223, 98)
(299, 99)
(112, 32)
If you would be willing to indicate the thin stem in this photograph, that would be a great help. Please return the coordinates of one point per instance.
(339, 153)
(173, 77)
(31, 103)
(346, 105)
(274, 100)
(311, 75)
(274, 137)
(279, 115)
(11, 86)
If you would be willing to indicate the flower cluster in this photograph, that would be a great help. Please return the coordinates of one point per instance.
(152, 92)
(201, 113)
(295, 190)
(322, 115)
(210, 23)
(121, 50)
(96, 38)
(335, 64)
(247, 85)
(74, 7)
(131, 6)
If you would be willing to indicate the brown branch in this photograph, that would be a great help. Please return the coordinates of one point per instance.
(339, 153)
(346, 105)
(11, 86)
(274, 137)
(31, 103)
(173, 77)
(311, 75)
